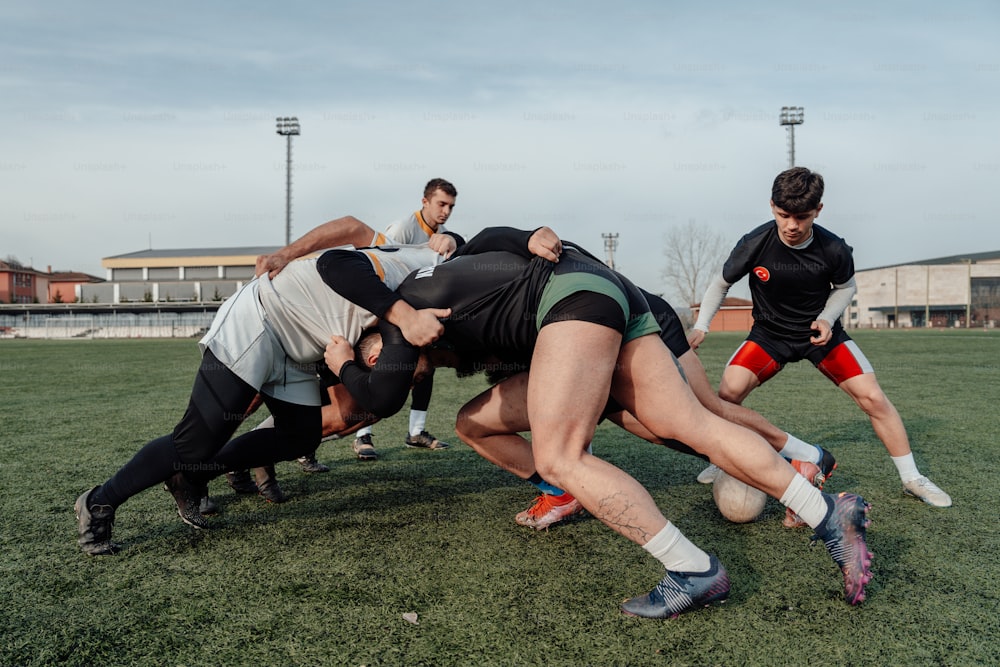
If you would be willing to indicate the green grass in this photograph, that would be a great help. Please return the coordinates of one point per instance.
(327, 577)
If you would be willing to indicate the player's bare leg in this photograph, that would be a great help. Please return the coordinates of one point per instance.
(888, 426)
(343, 416)
(490, 424)
(736, 384)
(819, 462)
(648, 384)
(702, 389)
(566, 394)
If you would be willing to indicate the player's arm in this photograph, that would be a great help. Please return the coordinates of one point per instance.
(710, 304)
(838, 301)
(445, 243)
(340, 232)
(351, 275)
(383, 390)
(541, 242)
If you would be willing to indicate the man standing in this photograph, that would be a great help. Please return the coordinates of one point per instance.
(436, 206)
(801, 280)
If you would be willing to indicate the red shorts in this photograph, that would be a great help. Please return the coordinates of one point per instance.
(842, 362)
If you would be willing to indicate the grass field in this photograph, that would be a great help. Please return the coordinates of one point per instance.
(326, 578)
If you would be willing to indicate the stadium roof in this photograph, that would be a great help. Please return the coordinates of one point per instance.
(197, 252)
(972, 257)
(242, 256)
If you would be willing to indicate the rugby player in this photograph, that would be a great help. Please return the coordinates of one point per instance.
(801, 280)
(436, 208)
(265, 339)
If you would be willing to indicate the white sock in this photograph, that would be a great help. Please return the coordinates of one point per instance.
(676, 552)
(800, 450)
(267, 423)
(418, 420)
(365, 430)
(906, 467)
(805, 500)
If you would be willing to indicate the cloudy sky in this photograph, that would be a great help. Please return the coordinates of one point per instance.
(136, 125)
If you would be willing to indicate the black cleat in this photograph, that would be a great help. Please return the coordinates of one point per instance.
(267, 485)
(94, 524)
(310, 464)
(188, 498)
(240, 482)
(425, 441)
(679, 592)
(364, 448)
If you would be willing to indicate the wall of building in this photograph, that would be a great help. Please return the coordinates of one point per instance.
(913, 295)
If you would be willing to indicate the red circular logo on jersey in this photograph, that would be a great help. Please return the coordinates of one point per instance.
(762, 274)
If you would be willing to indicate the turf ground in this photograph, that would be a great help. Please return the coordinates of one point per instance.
(326, 578)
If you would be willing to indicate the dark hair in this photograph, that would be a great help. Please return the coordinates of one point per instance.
(368, 339)
(797, 190)
(436, 184)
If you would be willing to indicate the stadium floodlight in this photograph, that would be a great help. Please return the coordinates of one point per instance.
(790, 117)
(288, 126)
(610, 245)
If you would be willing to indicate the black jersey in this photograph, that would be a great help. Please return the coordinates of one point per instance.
(494, 297)
(789, 286)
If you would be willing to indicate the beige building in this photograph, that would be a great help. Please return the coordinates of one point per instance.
(187, 275)
(955, 291)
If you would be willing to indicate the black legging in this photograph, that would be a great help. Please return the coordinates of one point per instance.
(200, 445)
(420, 396)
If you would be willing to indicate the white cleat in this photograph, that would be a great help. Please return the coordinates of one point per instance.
(927, 491)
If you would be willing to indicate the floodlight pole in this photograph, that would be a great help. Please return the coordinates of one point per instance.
(610, 245)
(790, 117)
(288, 127)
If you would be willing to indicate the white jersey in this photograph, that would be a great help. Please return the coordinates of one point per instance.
(411, 230)
(272, 331)
(393, 263)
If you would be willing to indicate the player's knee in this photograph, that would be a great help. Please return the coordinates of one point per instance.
(874, 402)
(731, 395)
(554, 469)
(468, 428)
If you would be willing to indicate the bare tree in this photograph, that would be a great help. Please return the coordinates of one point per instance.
(694, 255)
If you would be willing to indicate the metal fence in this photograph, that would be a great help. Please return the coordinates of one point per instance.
(105, 325)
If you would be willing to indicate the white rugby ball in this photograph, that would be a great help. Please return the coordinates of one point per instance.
(738, 502)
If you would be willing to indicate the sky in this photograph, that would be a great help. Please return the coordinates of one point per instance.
(131, 126)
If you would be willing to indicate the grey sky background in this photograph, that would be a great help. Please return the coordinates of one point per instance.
(129, 126)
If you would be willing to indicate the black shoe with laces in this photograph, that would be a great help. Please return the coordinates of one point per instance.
(310, 464)
(241, 482)
(267, 485)
(93, 525)
(425, 441)
(364, 448)
(827, 464)
(188, 498)
(679, 592)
